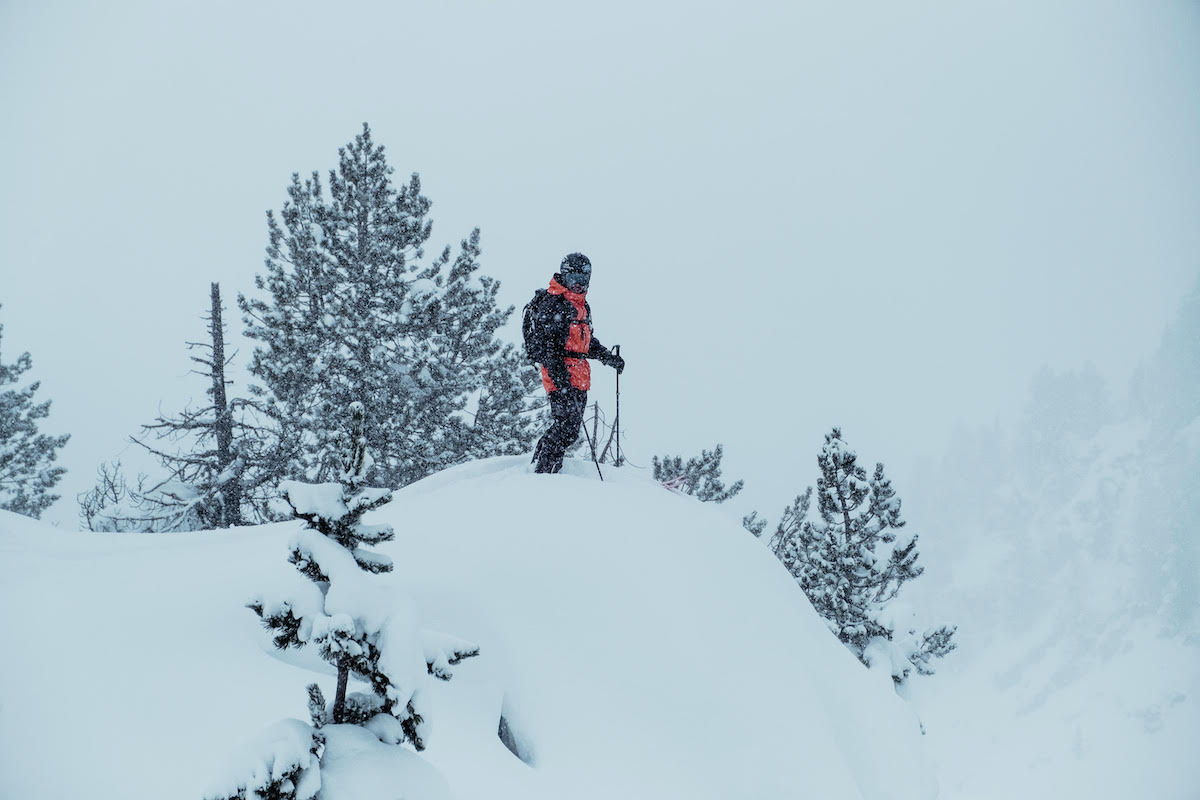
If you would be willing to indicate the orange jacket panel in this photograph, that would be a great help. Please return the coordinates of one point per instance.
(579, 339)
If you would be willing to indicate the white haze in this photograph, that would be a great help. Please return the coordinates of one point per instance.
(885, 217)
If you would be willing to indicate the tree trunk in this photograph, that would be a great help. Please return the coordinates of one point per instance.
(339, 699)
(232, 489)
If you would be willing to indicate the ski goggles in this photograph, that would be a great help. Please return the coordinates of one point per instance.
(577, 279)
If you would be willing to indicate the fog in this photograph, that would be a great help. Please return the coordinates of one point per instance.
(886, 217)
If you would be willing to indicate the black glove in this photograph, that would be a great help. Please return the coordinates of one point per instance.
(616, 362)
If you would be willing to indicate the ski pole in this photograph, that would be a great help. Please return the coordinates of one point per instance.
(617, 421)
(592, 447)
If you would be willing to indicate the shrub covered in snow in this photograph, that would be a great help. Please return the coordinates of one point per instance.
(700, 476)
(345, 609)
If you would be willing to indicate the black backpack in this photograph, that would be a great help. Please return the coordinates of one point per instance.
(529, 327)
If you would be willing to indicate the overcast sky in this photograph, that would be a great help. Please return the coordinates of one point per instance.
(881, 215)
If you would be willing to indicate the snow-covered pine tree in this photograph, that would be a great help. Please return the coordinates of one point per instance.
(503, 422)
(354, 311)
(347, 613)
(27, 470)
(786, 541)
(700, 477)
(221, 466)
(851, 563)
(754, 523)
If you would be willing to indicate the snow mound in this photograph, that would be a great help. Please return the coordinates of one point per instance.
(634, 643)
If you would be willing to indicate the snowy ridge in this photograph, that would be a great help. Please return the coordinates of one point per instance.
(636, 643)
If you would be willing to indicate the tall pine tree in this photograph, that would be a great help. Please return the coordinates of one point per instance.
(355, 311)
(27, 469)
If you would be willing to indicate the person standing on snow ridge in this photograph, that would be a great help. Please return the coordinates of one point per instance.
(563, 341)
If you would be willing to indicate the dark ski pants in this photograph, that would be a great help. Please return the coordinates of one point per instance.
(566, 406)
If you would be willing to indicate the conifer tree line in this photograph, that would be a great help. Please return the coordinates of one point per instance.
(851, 561)
(349, 309)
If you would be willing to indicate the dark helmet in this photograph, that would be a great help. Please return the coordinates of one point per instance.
(576, 272)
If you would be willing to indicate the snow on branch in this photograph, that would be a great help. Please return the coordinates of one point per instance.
(443, 651)
(282, 762)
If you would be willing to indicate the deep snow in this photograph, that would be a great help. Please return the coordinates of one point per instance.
(638, 644)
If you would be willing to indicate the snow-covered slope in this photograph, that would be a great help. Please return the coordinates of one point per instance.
(639, 644)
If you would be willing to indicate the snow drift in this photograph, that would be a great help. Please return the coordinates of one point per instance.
(634, 643)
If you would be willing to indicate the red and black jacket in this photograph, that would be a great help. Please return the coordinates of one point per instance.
(563, 321)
